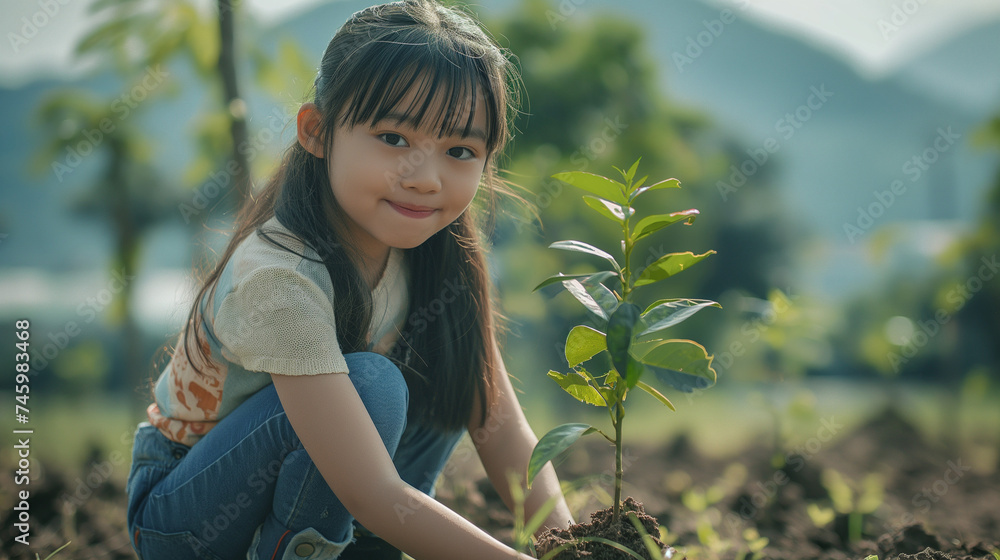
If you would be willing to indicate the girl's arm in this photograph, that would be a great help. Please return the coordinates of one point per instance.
(505, 443)
(331, 421)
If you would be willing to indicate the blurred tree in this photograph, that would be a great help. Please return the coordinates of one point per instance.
(128, 193)
(148, 34)
(979, 317)
(231, 99)
(140, 40)
(943, 325)
(139, 34)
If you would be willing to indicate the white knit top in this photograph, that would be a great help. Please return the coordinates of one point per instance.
(272, 312)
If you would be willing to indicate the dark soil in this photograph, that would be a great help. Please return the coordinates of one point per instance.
(602, 525)
(940, 502)
(935, 505)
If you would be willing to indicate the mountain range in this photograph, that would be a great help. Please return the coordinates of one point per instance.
(841, 145)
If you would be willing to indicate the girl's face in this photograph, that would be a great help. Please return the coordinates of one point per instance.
(400, 185)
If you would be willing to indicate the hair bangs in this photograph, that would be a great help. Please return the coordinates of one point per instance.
(448, 88)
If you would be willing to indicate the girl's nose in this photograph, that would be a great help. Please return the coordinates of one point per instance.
(421, 175)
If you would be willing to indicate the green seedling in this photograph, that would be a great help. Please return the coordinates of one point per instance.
(820, 516)
(651, 547)
(634, 339)
(523, 530)
(710, 539)
(698, 501)
(666, 537)
(755, 545)
(869, 498)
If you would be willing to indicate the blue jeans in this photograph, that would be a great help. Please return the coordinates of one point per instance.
(248, 489)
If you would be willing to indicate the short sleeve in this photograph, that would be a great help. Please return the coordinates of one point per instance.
(277, 320)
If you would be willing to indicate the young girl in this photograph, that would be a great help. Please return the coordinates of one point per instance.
(346, 339)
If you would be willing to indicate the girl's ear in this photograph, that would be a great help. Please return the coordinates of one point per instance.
(309, 128)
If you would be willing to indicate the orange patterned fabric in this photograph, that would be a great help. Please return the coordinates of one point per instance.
(195, 398)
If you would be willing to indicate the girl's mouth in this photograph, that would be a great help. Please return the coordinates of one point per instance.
(412, 211)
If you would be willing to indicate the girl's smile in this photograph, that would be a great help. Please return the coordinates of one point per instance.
(412, 210)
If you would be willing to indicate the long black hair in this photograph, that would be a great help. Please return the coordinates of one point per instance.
(378, 56)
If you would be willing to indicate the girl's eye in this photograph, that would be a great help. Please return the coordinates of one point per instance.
(393, 139)
(461, 152)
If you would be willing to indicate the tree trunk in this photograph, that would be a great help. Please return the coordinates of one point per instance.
(235, 106)
(127, 244)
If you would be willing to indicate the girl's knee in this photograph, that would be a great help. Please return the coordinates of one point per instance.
(374, 372)
(368, 360)
(382, 388)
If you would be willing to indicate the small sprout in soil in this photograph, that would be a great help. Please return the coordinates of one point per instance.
(869, 498)
(523, 530)
(871, 557)
(755, 544)
(666, 537)
(651, 546)
(709, 538)
(820, 516)
(698, 501)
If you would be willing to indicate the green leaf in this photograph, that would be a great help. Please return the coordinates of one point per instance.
(54, 552)
(634, 372)
(652, 548)
(577, 386)
(667, 313)
(668, 265)
(631, 170)
(583, 343)
(664, 184)
(612, 378)
(105, 35)
(619, 337)
(656, 394)
(203, 38)
(604, 388)
(596, 184)
(583, 296)
(581, 247)
(682, 364)
(552, 444)
(541, 515)
(598, 276)
(609, 209)
(601, 294)
(651, 224)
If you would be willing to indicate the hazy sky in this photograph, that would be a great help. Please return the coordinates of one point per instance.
(873, 36)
